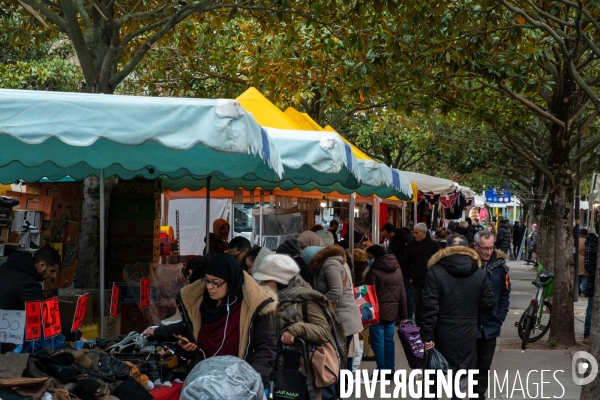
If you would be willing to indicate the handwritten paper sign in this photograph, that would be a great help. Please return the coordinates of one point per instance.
(51, 318)
(33, 320)
(114, 301)
(80, 312)
(144, 292)
(11, 326)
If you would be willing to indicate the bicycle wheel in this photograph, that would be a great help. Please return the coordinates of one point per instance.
(527, 326)
(542, 323)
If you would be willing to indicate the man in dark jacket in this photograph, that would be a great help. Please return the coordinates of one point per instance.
(22, 275)
(333, 228)
(456, 291)
(490, 324)
(292, 248)
(471, 228)
(398, 239)
(517, 237)
(503, 240)
(590, 263)
(418, 253)
(386, 276)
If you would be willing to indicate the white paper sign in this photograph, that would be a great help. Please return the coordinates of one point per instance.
(12, 326)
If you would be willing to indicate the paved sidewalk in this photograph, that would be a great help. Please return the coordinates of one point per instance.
(522, 370)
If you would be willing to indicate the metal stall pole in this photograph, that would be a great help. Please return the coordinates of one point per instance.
(231, 219)
(208, 215)
(351, 225)
(102, 244)
(403, 214)
(376, 221)
(415, 214)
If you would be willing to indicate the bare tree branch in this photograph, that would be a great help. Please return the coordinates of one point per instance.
(81, 47)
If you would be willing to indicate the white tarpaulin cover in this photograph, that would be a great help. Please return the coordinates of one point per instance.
(430, 184)
(192, 221)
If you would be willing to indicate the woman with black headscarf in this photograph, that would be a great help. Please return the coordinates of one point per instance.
(226, 313)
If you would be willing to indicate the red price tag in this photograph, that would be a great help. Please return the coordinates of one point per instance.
(144, 292)
(33, 320)
(114, 301)
(80, 312)
(51, 318)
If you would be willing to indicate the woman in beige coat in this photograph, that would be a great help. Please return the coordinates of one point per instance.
(334, 279)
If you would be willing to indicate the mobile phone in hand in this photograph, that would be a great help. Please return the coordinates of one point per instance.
(181, 338)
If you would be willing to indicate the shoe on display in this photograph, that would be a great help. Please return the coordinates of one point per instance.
(9, 202)
(30, 228)
(586, 340)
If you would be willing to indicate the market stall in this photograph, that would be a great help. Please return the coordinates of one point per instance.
(78, 135)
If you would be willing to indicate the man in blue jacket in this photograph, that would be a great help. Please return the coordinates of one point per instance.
(490, 324)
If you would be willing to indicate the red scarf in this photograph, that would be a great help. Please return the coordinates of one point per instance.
(210, 336)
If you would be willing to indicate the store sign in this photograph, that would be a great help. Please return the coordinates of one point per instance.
(51, 318)
(11, 326)
(82, 302)
(33, 320)
(144, 292)
(492, 197)
(114, 301)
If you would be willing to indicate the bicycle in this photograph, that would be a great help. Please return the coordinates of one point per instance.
(536, 319)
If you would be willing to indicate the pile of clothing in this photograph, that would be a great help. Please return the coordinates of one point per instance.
(125, 368)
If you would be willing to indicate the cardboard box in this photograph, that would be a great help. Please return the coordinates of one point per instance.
(137, 188)
(134, 250)
(71, 233)
(4, 234)
(114, 272)
(51, 283)
(132, 295)
(127, 326)
(135, 229)
(112, 328)
(67, 305)
(95, 298)
(65, 277)
(131, 313)
(58, 247)
(133, 209)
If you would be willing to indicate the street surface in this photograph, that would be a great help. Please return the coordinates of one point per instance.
(511, 361)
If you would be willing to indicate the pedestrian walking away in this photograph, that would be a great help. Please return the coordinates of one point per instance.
(583, 274)
(398, 241)
(503, 239)
(493, 262)
(418, 253)
(517, 238)
(385, 275)
(532, 242)
(590, 263)
(456, 291)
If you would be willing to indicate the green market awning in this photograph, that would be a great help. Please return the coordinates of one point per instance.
(52, 135)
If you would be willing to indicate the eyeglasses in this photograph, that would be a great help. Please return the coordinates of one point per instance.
(485, 248)
(235, 255)
(213, 284)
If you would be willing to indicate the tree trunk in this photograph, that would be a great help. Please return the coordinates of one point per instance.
(557, 213)
(88, 255)
(592, 390)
